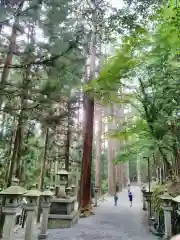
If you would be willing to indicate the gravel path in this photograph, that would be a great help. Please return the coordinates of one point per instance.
(110, 222)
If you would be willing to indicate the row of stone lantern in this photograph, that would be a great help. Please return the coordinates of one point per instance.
(13, 196)
(167, 208)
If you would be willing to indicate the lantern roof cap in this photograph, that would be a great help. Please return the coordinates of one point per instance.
(166, 196)
(47, 193)
(33, 193)
(13, 190)
(177, 199)
(62, 172)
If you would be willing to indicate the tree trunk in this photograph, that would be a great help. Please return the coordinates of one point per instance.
(85, 201)
(110, 156)
(110, 169)
(68, 139)
(99, 150)
(16, 148)
(87, 157)
(11, 49)
(138, 169)
(43, 169)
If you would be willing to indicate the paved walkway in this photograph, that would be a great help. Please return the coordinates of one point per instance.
(110, 222)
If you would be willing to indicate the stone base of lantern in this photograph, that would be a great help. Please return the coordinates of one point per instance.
(43, 236)
(62, 213)
(62, 221)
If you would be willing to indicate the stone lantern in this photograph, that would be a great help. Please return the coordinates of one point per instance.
(96, 196)
(177, 200)
(62, 212)
(68, 190)
(47, 197)
(74, 190)
(62, 178)
(167, 207)
(143, 190)
(13, 197)
(32, 200)
(148, 195)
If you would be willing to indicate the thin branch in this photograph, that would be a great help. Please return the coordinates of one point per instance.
(72, 44)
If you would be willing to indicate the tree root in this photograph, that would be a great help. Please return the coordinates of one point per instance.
(86, 212)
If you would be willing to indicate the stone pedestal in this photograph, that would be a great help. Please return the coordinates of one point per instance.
(144, 200)
(13, 196)
(47, 195)
(30, 222)
(32, 199)
(148, 200)
(43, 234)
(74, 191)
(167, 202)
(167, 221)
(10, 218)
(62, 213)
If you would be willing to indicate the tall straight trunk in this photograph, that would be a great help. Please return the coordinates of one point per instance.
(15, 163)
(99, 150)
(122, 175)
(11, 49)
(138, 169)
(119, 176)
(9, 158)
(9, 56)
(16, 148)
(3, 127)
(87, 157)
(110, 157)
(85, 189)
(4, 76)
(43, 159)
(68, 139)
(110, 169)
(126, 173)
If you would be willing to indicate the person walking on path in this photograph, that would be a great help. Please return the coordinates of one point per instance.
(116, 195)
(115, 198)
(130, 198)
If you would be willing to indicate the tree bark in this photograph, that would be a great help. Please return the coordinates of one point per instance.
(110, 160)
(99, 150)
(11, 50)
(68, 139)
(87, 157)
(16, 148)
(85, 201)
(43, 169)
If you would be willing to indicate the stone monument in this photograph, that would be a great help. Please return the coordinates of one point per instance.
(32, 201)
(13, 196)
(167, 207)
(47, 196)
(62, 213)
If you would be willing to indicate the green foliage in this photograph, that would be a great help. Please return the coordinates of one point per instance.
(104, 186)
(156, 201)
(148, 59)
